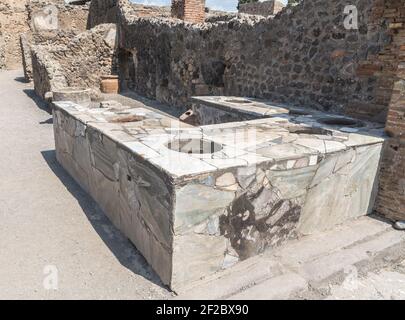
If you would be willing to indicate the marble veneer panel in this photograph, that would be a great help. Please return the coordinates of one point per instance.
(192, 214)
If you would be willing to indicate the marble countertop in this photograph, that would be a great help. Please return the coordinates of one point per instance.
(283, 141)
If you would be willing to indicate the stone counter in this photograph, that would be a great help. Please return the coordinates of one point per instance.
(195, 200)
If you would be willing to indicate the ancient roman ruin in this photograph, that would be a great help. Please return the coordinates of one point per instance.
(261, 126)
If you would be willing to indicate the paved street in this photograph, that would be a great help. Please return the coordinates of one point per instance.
(48, 222)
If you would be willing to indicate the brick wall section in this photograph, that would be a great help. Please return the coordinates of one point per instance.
(189, 10)
(379, 66)
(391, 199)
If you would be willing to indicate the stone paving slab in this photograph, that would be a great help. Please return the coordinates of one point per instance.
(301, 264)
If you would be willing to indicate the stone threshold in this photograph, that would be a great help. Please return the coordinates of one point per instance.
(307, 267)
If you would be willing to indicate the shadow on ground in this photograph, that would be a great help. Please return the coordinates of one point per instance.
(41, 104)
(119, 245)
(21, 79)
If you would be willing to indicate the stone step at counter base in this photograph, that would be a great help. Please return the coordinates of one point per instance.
(192, 214)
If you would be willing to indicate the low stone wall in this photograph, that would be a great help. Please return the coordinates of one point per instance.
(45, 15)
(56, 37)
(303, 56)
(78, 63)
(23, 16)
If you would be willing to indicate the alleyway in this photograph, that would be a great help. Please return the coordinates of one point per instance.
(47, 221)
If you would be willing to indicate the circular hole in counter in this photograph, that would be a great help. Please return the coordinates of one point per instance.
(194, 146)
(338, 121)
(127, 118)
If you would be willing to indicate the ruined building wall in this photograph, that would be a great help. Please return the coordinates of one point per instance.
(265, 8)
(27, 40)
(79, 63)
(13, 21)
(304, 56)
(102, 11)
(55, 14)
(391, 200)
(106, 11)
(50, 22)
(26, 16)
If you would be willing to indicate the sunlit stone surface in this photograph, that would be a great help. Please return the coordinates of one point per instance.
(195, 200)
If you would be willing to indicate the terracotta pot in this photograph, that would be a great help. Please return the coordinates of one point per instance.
(109, 84)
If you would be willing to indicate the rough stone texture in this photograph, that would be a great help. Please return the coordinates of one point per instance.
(29, 39)
(391, 201)
(102, 11)
(50, 23)
(26, 16)
(189, 10)
(106, 11)
(56, 14)
(195, 200)
(264, 8)
(78, 63)
(13, 21)
(310, 58)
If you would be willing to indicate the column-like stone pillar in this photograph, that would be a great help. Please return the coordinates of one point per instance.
(391, 198)
(189, 10)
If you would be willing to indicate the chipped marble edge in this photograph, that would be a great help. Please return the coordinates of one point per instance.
(151, 147)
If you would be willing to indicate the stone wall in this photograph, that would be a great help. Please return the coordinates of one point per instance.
(304, 56)
(391, 201)
(78, 63)
(106, 11)
(27, 16)
(56, 37)
(102, 11)
(50, 22)
(13, 21)
(56, 14)
(265, 8)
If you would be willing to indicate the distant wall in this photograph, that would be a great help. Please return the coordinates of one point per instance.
(106, 11)
(30, 16)
(78, 63)
(102, 11)
(29, 39)
(304, 56)
(265, 8)
(13, 21)
(44, 15)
